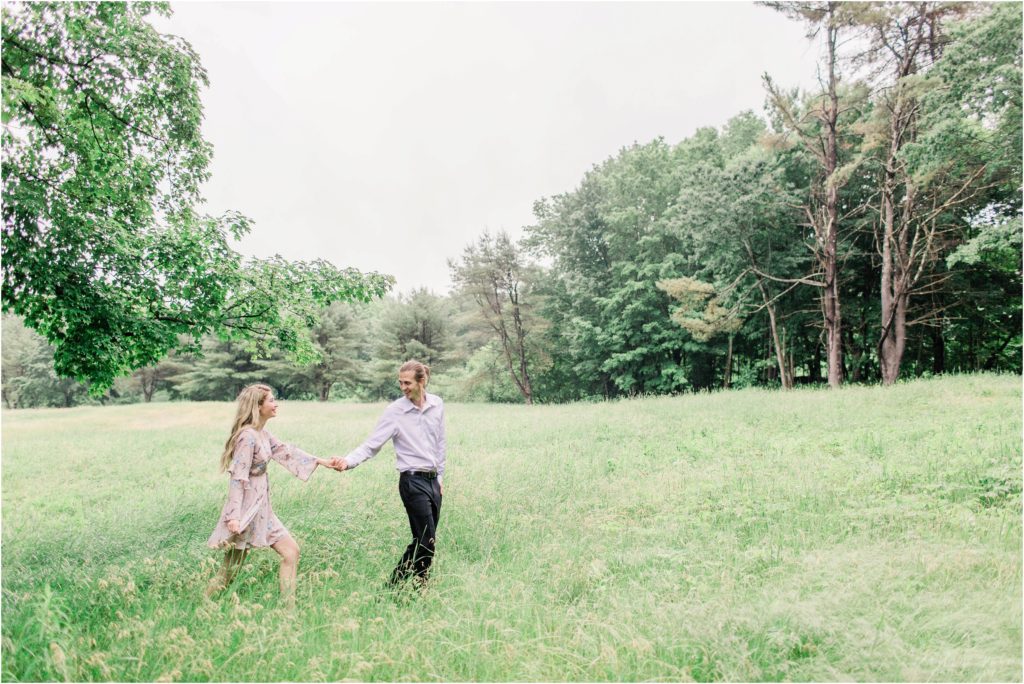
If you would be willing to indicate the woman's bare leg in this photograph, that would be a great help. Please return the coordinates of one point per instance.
(289, 552)
(228, 570)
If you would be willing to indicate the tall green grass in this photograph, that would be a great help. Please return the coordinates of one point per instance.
(859, 534)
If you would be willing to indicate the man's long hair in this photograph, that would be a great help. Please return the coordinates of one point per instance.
(421, 371)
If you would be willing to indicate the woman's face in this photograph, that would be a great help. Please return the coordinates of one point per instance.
(268, 409)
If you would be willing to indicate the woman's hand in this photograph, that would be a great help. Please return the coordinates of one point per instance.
(233, 526)
(337, 463)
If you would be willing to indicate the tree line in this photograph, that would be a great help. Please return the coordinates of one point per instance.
(358, 347)
(864, 231)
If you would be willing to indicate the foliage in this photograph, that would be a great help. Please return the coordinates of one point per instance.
(998, 242)
(483, 377)
(700, 310)
(925, 193)
(402, 327)
(28, 375)
(340, 341)
(495, 274)
(104, 250)
(151, 379)
(608, 246)
(219, 372)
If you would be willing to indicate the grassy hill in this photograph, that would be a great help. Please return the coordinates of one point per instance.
(864, 534)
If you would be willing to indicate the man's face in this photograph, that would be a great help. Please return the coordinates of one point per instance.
(410, 388)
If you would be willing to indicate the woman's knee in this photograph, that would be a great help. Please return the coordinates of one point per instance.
(289, 553)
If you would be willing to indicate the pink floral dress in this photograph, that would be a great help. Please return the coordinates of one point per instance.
(249, 492)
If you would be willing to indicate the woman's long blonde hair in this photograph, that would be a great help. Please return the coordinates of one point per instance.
(250, 400)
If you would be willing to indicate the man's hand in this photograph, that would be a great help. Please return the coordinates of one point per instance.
(329, 463)
(233, 526)
(339, 463)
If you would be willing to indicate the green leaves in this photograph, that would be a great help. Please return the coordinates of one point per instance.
(997, 243)
(104, 252)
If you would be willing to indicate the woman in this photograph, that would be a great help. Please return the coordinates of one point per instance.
(247, 520)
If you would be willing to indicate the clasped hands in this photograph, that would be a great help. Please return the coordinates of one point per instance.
(337, 463)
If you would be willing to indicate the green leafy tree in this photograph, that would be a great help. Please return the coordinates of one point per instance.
(407, 326)
(483, 376)
(27, 370)
(701, 313)
(608, 245)
(973, 122)
(921, 197)
(218, 373)
(153, 378)
(339, 339)
(749, 236)
(104, 251)
(817, 123)
(495, 273)
(146, 382)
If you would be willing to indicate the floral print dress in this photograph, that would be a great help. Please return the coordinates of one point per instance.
(249, 491)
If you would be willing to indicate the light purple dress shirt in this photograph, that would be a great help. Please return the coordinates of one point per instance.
(418, 436)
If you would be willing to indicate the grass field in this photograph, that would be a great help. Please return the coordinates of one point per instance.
(860, 534)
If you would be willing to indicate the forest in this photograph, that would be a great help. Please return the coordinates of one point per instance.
(865, 232)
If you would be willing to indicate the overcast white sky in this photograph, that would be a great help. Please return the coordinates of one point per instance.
(387, 136)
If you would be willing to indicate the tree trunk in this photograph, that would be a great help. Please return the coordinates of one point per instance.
(727, 374)
(524, 371)
(898, 263)
(822, 206)
(860, 350)
(780, 349)
(147, 383)
(815, 366)
(993, 358)
(938, 350)
(831, 301)
(148, 386)
(893, 339)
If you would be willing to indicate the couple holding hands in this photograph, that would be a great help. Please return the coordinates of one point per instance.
(414, 424)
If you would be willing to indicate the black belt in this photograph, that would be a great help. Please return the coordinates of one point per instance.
(428, 474)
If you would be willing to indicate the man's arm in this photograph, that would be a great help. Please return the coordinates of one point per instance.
(442, 446)
(442, 451)
(385, 430)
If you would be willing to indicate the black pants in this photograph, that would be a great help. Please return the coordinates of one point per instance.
(422, 498)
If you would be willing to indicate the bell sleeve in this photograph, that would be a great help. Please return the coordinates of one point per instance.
(295, 460)
(241, 462)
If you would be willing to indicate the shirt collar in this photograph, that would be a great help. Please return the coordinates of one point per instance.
(431, 401)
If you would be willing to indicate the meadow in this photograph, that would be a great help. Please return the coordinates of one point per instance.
(862, 534)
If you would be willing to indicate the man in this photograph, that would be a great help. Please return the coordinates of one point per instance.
(415, 424)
